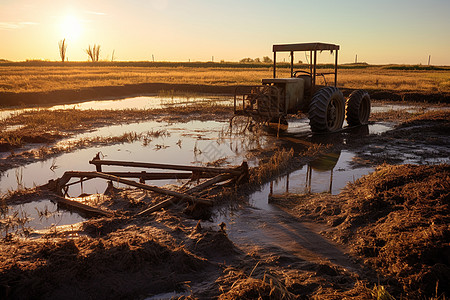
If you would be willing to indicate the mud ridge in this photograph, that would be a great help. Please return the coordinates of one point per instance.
(103, 92)
(109, 92)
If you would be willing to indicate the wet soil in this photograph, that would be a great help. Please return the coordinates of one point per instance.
(422, 139)
(395, 221)
(388, 230)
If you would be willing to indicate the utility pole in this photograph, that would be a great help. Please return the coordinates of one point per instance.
(356, 59)
(429, 59)
(153, 58)
(212, 59)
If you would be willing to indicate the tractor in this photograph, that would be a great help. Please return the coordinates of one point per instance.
(271, 102)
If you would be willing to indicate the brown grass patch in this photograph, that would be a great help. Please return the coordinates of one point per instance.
(20, 79)
(272, 167)
(398, 219)
(46, 126)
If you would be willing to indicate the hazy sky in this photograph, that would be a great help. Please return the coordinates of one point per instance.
(378, 31)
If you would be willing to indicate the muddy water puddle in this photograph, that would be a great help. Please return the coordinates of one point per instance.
(40, 214)
(301, 128)
(378, 107)
(327, 174)
(141, 102)
(265, 229)
(146, 102)
(190, 143)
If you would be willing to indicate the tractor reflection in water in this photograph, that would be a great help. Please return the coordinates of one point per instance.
(325, 163)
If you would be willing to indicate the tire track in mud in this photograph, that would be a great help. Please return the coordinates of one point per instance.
(277, 233)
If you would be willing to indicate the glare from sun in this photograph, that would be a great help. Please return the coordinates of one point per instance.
(71, 28)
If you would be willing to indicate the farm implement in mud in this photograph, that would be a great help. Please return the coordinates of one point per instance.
(193, 195)
(271, 102)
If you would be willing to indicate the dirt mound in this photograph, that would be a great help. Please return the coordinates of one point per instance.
(128, 263)
(214, 245)
(398, 220)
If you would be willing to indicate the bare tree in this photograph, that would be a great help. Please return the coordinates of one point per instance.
(93, 52)
(246, 60)
(62, 49)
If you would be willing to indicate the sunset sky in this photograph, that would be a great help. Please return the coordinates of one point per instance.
(379, 32)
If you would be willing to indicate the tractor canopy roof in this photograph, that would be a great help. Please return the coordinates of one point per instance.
(305, 47)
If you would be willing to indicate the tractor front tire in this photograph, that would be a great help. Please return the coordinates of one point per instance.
(357, 108)
(327, 110)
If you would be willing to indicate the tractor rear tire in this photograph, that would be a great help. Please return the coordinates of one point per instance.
(327, 110)
(357, 108)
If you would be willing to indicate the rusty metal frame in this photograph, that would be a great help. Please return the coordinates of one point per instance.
(244, 92)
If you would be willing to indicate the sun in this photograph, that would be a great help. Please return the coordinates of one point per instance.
(71, 27)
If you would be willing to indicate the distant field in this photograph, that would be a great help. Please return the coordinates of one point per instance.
(51, 76)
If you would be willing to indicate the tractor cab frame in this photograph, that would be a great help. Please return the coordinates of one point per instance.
(312, 48)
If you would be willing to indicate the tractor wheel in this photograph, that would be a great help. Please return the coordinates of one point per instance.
(357, 108)
(327, 111)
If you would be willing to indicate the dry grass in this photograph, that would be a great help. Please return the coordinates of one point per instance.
(68, 146)
(277, 163)
(48, 125)
(397, 219)
(37, 79)
(129, 263)
(262, 286)
(397, 80)
(19, 79)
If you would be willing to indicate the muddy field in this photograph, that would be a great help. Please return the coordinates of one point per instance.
(289, 231)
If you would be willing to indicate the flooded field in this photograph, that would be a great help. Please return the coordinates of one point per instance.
(37, 215)
(140, 102)
(320, 166)
(190, 143)
(328, 173)
(194, 142)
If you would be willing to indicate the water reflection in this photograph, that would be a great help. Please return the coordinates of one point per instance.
(328, 173)
(36, 215)
(190, 143)
(141, 102)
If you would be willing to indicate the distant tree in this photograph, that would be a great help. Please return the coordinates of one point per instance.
(257, 60)
(267, 60)
(246, 60)
(93, 52)
(62, 49)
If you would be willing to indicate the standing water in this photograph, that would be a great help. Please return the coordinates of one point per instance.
(190, 143)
